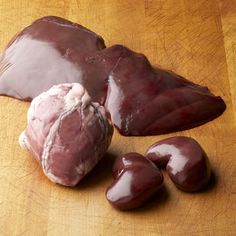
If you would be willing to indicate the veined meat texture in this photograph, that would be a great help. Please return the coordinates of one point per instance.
(66, 132)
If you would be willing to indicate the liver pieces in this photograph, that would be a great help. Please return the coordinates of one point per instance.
(142, 99)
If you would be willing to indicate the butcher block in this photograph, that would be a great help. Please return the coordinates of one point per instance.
(196, 39)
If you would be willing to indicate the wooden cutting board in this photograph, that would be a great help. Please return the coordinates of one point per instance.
(196, 39)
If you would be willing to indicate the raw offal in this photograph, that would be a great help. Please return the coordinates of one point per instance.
(142, 99)
(67, 133)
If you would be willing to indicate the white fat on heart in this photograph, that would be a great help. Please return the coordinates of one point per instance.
(58, 180)
(55, 90)
(23, 141)
(54, 178)
(80, 169)
(77, 94)
(89, 119)
(77, 97)
(34, 104)
(24, 144)
(84, 167)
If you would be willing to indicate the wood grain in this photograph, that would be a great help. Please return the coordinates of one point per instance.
(197, 39)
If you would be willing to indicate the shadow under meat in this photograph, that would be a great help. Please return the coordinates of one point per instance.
(208, 187)
(211, 184)
(158, 200)
(101, 172)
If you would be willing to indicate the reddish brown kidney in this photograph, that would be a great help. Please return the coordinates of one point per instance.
(185, 161)
(136, 180)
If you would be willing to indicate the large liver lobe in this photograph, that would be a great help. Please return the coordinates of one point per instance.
(142, 99)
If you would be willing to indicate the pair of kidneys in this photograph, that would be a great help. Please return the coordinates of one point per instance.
(137, 179)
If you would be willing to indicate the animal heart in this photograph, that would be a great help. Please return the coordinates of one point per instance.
(136, 180)
(185, 161)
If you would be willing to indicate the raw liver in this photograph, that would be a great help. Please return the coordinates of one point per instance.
(142, 99)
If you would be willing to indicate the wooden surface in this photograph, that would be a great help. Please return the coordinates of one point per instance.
(195, 38)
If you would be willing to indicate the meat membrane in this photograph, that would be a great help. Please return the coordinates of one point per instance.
(67, 133)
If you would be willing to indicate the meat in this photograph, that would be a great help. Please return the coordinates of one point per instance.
(136, 181)
(185, 161)
(142, 99)
(67, 133)
(51, 51)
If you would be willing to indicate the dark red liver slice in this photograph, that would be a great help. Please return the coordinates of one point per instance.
(51, 51)
(142, 100)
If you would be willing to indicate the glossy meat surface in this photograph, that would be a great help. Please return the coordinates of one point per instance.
(185, 161)
(142, 99)
(66, 133)
(51, 51)
(136, 180)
